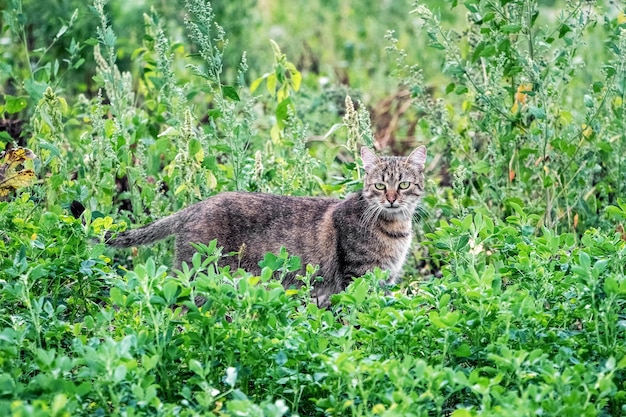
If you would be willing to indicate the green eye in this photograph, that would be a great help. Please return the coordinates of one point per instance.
(379, 186)
(404, 185)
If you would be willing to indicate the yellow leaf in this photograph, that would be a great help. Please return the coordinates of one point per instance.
(18, 180)
(199, 156)
(462, 412)
(275, 133)
(296, 80)
(180, 189)
(521, 95)
(294, 75)
(522, 92)
(271, 84)
(621, 18)
(565, 117)
(587, 131)
(256, 83)
(170, 131)
(211, 181)
(16, 156)
(11, 176)
(63, 104)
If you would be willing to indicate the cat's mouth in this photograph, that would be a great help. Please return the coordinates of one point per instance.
(395, 211)
(392, 209)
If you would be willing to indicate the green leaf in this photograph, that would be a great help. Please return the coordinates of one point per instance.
(461, 243)
(4, 136)
(611, 285)
(460, 90)
(14, 104)
(119, 374)
(214, 114)
(117, 297)
(537, 112)
(463, 351)
(482, 167)
(489, 50)
(35, 89)
(488, 17)
(195, 150)
(471, 5)
(614, 211)
(196, 367)
(478, 50)
(584, 260)
(282, 111)
(443, 322)
(294, 264)
(466, 223)
(333, 129)
(170, 289)
(564, 29)
(230, 92)
(598, 86)
(512, 28)
(360, 290)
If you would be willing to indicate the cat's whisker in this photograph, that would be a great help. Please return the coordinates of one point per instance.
(370, 215)
(406, 211)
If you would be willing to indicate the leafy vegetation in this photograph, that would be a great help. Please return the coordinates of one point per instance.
(513, 301)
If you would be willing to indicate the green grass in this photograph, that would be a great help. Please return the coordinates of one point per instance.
(513, 299)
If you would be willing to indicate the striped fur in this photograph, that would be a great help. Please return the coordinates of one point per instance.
(346, 238)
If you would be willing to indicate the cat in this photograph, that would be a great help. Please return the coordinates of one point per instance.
(345, 238)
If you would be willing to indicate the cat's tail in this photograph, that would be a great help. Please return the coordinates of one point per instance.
(145, 235)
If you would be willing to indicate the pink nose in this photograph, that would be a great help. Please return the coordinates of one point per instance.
(391, 196)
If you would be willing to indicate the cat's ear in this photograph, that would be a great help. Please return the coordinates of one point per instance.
(418, 157)
(369, 158)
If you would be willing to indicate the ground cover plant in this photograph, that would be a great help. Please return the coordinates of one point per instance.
(115, 114)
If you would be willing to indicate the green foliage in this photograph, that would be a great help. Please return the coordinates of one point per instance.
(513, 301)
(532, 125)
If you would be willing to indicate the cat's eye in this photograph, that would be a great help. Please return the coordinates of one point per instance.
(404, 185)
(379, 186)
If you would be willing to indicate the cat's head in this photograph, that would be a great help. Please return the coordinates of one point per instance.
(393, 185)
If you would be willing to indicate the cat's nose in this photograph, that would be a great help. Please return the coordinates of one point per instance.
(391, 196)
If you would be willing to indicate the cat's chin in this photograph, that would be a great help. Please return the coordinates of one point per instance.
(393, 213)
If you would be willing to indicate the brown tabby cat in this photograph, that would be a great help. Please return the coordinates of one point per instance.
(346, 238)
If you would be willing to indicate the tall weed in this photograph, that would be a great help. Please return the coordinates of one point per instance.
(530, 129)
